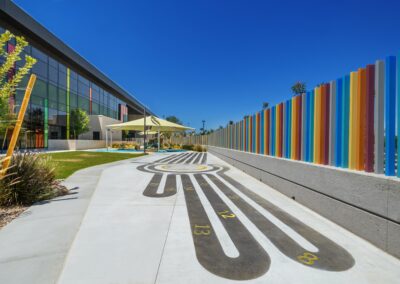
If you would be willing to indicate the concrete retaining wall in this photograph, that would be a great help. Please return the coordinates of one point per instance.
(75, 144)
(365, 204)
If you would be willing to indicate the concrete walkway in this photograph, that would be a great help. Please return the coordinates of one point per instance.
(182, 218)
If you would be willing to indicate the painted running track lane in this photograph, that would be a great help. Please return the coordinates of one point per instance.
(253, 261)
(169, 188)
(329, 256)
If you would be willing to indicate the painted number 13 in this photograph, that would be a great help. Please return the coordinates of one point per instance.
(202, 230)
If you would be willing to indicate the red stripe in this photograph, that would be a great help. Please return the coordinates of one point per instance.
(327, 114)
(369, 120)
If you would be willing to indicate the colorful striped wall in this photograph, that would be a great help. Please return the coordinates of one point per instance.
(351, 122)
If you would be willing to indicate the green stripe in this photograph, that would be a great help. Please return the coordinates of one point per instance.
(68, 107)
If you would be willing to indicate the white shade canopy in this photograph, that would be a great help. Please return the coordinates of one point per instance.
(152, 124)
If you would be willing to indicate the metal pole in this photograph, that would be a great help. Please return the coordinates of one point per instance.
(159, 139)
(107, 139)
(144, 130)
(111, 137)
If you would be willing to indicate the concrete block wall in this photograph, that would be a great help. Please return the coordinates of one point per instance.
(75, 144)
(366, 204)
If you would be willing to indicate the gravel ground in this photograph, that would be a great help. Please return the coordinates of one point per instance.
(10, 213)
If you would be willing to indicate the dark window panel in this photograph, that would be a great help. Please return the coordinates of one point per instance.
(40, 89)
(40, 69)
(62, 96)
(53, 74)
(36, 53)
(53, 92)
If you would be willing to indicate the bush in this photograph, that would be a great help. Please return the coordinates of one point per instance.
(188, 147)
(30, 178)
(126, 145)
(199, 148)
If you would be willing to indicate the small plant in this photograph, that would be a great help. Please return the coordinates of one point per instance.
(188, 147)
(30, 178)
(199, 148)
(79, 122)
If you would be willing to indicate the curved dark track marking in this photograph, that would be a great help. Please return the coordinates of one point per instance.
(169, 188)
(204, 160)
(330, 256)
(252, 262)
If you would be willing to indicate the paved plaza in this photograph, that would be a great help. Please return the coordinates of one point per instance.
(187, 218)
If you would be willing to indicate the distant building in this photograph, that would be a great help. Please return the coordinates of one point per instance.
(65, 81)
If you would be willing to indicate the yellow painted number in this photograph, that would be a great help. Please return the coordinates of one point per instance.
(202, 230)
(226, 214)
(307, 258)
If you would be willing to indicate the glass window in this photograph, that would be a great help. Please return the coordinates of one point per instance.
(73, 75)
(95, 108)
(40, 89)
(53, 63)
(36, 53)
(52, 92)
(83, 89)
(62, 79)
(62, 68)
(62, 107)
(83, 103)
(36, 100)
(40, 69)
(73, 100)
(62, 96)
(52, 104)
(73, 84)
(53, 74)
(52, 116)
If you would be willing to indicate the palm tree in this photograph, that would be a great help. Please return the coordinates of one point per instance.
(299, 88)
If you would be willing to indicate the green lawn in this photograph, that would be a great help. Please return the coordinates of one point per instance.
(69, 162)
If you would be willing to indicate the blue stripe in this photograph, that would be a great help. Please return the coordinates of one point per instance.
(345, 121)
(390, 103)
(338, 122)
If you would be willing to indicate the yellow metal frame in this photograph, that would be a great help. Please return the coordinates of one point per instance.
(17, 128)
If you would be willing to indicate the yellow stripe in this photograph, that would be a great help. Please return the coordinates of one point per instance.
(353, 115)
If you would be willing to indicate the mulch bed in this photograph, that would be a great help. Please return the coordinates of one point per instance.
(7, 214)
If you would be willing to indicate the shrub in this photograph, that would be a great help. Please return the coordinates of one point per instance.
(199, 148)
(30, 178)
(187, 147)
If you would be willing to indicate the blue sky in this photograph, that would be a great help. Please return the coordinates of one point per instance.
(219, 60)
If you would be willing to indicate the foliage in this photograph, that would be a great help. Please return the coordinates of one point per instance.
(30, 178)
(188, 147)
(265, 105)
(299, 88)
(70, 162)
(8, 84)
(174, 119)
(79, 122)
(126, 145)
(199, 148)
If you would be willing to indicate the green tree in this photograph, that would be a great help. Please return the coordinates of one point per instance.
(79, 122)
(173, 119)
(265, 105)
(11, 77)
(299, 88)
